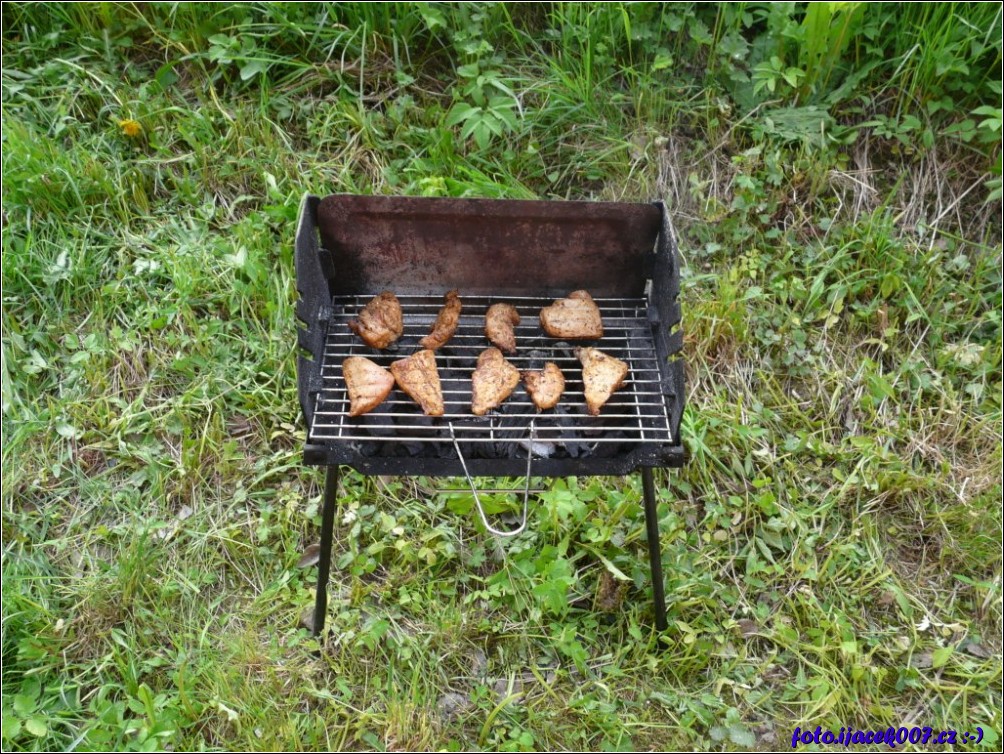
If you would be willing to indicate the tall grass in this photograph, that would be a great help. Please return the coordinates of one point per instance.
(925, 50)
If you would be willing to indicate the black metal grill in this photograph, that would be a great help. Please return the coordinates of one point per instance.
(527, 254)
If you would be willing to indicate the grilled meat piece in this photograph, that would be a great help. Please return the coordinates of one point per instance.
(500, 322)
(446, 323)
(546, 386)
(602, 375)
(368, 384)
(418, 377)
(380, 322)
(574, 318)
(492, 382)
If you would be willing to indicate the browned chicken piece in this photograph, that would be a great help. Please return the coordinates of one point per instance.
(380, 322)
(368, 384)
(446, 323)
(500, 323)
(574, 318)
(546, 386)
(492, 382)
(602, 375)
(418, 377)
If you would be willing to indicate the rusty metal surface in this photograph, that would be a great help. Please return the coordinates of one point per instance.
(487, 246)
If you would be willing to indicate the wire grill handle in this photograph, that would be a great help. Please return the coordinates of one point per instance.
(477, 499)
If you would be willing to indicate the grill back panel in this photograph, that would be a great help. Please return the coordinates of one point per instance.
(487, 246)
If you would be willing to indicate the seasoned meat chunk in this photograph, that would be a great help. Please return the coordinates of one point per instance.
(500, 322)
(492, 382)
(368, 384)
(446, 323)
(601, 375)
(380, 322)
(546, 386)
(419, 378)
(574, 318)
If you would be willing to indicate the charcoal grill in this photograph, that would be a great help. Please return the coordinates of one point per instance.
(526, 253)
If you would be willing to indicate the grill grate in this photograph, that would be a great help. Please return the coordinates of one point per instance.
(636, 414)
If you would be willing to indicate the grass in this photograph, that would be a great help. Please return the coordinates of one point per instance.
(833, 548)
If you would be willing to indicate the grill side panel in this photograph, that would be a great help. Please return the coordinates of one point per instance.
(665, 313)
(313, 309)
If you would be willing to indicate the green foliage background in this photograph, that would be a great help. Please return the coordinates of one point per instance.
(833, 549)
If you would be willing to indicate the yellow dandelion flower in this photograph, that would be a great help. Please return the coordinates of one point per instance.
(130, 127)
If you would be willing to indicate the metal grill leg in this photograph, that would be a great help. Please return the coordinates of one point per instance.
(654, 551)
(324, 563)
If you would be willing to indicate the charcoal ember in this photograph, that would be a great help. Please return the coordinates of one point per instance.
(570, 432)
(611, 449)
(539, 449)
(366, 449)
(511, 427)
(638, 342)
(498, 434)
(470, 433)
(375, 424)
(455, 367)
(370, 424)
(537, 358)
(502, 434)
(562, 348)
(419, 425)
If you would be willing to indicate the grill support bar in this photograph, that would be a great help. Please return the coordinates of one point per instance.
(654, 551)
(327, 536)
